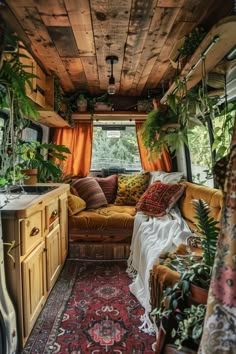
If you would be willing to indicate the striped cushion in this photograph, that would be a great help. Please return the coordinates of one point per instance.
(159, 198)
(109, 187)
(89, 190)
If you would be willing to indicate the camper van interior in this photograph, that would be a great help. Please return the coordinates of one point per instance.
(117, 176)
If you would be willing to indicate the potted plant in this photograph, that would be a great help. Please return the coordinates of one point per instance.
(189, 327)
(82, 103)
(34, 163)
(162, 130)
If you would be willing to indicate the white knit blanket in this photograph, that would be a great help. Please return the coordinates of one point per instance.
(151, 237)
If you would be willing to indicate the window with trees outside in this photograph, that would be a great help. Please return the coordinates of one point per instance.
(115, 145)
(200, 155)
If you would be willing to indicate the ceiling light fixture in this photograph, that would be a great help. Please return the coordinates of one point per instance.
(111, 89)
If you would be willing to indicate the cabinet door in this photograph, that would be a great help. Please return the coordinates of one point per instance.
(52, 215)
(31, 232)
(53, 245)
(34, 286)
(64, 226)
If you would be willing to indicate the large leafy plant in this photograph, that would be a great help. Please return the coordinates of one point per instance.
(14, 78)
(46, 158)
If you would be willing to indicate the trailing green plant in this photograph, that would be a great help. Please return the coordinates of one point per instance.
(192, 41)
(223, 130)
(190, 326)
(198, 274)
(206, 226)
(33, 156)
(58, 97)
(155, 133)
(14, 78)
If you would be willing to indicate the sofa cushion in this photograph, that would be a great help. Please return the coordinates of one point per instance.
(75, 204)
(89, 190)
(159, 198)
(109, 187)
(114, 220)
(131, 188)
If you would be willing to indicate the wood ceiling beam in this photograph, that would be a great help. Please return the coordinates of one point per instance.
(140, 19)
(110, 25)
(41, 43)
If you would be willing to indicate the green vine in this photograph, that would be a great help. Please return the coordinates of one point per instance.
(14, 77)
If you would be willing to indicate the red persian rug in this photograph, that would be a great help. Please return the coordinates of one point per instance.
(90, 310)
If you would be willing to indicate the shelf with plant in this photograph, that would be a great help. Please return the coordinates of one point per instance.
(71, 102)
(222, 34)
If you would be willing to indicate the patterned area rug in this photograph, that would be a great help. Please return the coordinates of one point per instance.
(90, 310)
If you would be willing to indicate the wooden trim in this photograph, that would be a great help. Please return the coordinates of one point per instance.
(121, 115)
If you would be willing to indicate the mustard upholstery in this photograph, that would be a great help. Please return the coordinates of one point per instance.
(113, 224)
(114, 220)
(213, 197)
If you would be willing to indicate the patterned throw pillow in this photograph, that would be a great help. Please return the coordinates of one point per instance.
(75, 204)
(131, 188)
(159, 198)
(89, 190)
(109, 187)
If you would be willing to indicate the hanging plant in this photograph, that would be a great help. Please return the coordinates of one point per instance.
(191, 43)
(161, 130)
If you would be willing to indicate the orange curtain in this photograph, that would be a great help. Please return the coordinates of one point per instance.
(152, 164)
(79, 141)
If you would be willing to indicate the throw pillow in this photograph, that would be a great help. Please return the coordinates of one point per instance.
(89, 190)
(109, 187)
(131, 188)
(165, 177)
(73, 191)
(159, 198)
(75, 204)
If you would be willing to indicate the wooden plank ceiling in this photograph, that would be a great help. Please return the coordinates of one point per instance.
(72, 38)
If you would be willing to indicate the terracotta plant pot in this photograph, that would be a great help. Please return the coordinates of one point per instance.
(31, 176)
(199, 295)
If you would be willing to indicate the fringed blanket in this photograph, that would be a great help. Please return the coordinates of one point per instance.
(151, 237)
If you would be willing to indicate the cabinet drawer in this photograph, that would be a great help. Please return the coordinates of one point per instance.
(31, 232)
(52, 215)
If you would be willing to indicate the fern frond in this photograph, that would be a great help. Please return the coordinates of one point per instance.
(206, 226)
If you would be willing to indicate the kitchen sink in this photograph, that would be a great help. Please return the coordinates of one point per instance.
(29, 190)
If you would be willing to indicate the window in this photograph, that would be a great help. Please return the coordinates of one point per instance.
(32, 133)
(115, 145)
(200, 155)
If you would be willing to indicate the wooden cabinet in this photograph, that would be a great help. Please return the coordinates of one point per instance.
(54, 261)
(34, 286)
(38, 227)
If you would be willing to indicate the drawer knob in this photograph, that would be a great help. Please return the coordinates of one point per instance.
(54, 212)
(34, 231)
